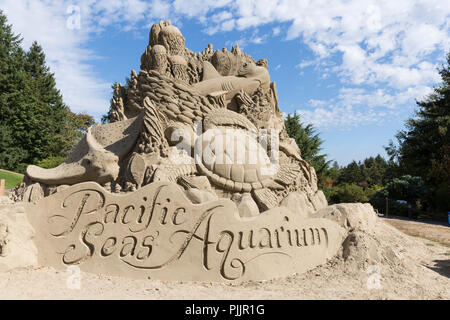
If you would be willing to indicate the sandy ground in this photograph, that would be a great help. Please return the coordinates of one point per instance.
(434, 231)
(406, 268)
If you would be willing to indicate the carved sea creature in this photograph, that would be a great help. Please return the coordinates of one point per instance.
(95, 158)
(159, 58)
(179, 68)
(232, 101)
(228, 172)
(171, 172)
(172, 39)
(177, 101)
(250, 70)
(227, 63)
(233, 159)
(251, 77)
(152, 139)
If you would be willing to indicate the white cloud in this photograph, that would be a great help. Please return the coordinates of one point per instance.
(370, 45)
(341, 116)
(228, 25)
(305, 63)
(221, 16)
(254, 38)
(276, 31)
(380, 44)
(47, 22)
(197, 8)
(354, 107)
(257, 40)
(317, 103)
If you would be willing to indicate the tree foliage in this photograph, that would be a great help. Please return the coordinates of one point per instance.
(51, 162)
(407, 188)
(369, 172)
(402, 194)
(34, 121)
(347, 193)
(423, 148)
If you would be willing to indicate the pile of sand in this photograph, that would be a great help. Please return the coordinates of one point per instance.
(376, 261)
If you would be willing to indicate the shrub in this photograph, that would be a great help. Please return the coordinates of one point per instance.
(348, 193)
(51, 162)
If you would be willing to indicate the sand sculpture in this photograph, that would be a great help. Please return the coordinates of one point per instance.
(194, 178)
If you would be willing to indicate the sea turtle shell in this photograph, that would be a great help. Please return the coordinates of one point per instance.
(233, 159)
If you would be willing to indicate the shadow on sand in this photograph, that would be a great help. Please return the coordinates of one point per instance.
(442, 267)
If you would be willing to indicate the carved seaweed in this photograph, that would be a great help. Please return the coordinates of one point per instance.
(177, 101)
(287, 173)
(171, 172)
(227, 118)
(152, 137)
(266, 198)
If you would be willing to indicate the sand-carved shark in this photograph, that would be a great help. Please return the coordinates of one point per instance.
(250, 77)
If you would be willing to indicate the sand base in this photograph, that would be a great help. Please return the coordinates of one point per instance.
(410, 268)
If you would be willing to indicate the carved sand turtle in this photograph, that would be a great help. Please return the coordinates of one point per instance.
(243, 167)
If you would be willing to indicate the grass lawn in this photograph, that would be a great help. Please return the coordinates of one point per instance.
(12, 179)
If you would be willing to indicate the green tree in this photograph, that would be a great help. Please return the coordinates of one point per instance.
(310, 145)
(34, 121)
(45, 112)
(352, 173)
(407, 188)
(12, 78)
(33, 110)
(51, 162)
(423, 148)
(332, 175)
(348, 192)
(370, 172)
(10, 155)
(374, 170)
(75, 127)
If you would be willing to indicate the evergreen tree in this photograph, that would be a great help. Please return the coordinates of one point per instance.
(347, 193)
(352, 173)
(34, 121)
(12, 83)
(333, 174)
(75, 127)
(373, 170)
(423, 149)
(424, 144)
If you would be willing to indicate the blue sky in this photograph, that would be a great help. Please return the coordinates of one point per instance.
(352, 68)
